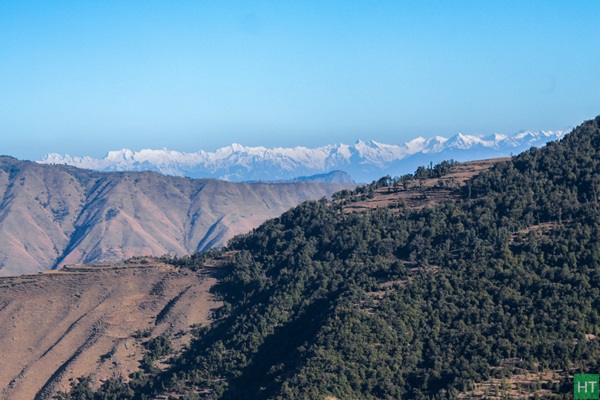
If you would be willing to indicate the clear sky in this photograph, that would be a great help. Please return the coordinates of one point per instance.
(85, 77)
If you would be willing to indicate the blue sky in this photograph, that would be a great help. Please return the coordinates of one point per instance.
(87, 77)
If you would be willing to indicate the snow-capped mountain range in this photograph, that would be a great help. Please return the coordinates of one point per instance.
(364, 161)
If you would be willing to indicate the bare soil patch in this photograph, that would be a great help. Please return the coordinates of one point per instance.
(81, 320)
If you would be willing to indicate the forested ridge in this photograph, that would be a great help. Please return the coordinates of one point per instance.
(405, 303)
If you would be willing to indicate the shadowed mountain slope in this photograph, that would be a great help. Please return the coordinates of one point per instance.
(57, 215)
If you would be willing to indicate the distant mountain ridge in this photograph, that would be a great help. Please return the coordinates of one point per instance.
(363, 161)
(330, 177)
(52, 215)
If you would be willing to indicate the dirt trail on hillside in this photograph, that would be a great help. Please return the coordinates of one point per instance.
(81, 321)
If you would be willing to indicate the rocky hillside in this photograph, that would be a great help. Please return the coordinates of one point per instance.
(55, 215)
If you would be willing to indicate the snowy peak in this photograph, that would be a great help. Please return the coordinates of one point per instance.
(363, 160)
(120, 155)
(463, 142)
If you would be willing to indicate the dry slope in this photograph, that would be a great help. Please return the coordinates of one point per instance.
(58, 215)
(81, 320)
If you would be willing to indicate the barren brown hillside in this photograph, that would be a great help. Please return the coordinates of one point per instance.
(56, 215)
(82, 320)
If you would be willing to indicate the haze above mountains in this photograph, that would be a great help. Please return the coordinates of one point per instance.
(363, 161)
